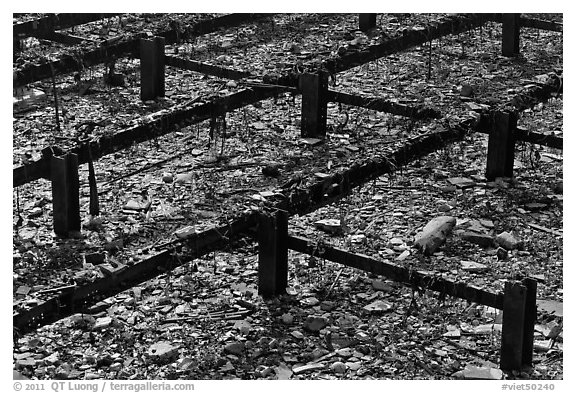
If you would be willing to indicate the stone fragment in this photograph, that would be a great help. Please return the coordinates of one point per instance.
(508, 241)
(327, 305)
(234, 348)
(310, 301)
(103, 322)
(307, 367)
(473, 267)
(434, 234)
(461, 182)
(283, 372)
(380, 285)
(378, 306)
(502, 254)
(287, 319)
(475, 372)
(162, 351)
(480, 239)
(338, 367)
(314, 324)
(330, 225)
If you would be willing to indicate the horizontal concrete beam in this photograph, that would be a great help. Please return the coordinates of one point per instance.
(450, 25)
(52, 22)
(207, 69)
(383, 105)
(409, 276)
(161, 125)
(129, 46)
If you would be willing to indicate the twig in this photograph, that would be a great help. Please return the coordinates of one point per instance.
(334, 283)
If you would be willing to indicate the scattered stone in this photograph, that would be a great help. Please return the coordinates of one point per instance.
(185, 232)
(508, 241)
(307, 367)
(28, 362)
(473, 267)
(234, 348)
(502, 254)
(282, 371)
(550, 307)
(452, 333)
(35, 212)
(475, 372)
(287, 319)
(263, 371)
(18, 376)
(466, 90)
(353, 366)
(134, 205)
(23, 290)
(310, 301)
(167, 177)
(535, 206)
(444, 207)
(182, 178)
(489, 328)
(162, 351)
(480, 239)
(378, 306)
(344, 352)
(487, 223)
(461, 182)
(330, 225)
(63, 371)
(358, 239)
(102, 323)
(52, 359)
(311, 141)
(82, 321)
(338, 367)
(243, 326)
(542, 345)
(297, 334)
(317, 353)
(226, 367)
(315, 324)
(434, 234)
(327, 305)
(405, 254)
(380, 285)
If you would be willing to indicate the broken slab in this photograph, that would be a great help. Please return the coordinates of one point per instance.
(461, 182)
(314, 324)
(378, 306)
(434, 234)
(473, 267)
(330, 225)
(307, 367)
(507, 241)
(476, 372)
(162, 351)
(481, 239)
